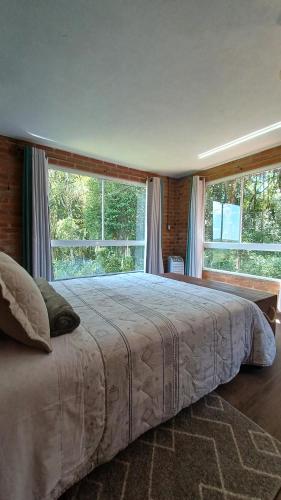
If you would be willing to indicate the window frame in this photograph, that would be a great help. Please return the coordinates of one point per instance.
(102, 242)
(261, 247)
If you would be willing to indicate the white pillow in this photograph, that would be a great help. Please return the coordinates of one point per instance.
(23, 313)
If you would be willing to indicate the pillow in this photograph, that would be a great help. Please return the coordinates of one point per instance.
(23, 314)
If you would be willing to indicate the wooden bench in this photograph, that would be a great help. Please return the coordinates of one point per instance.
(264, 300)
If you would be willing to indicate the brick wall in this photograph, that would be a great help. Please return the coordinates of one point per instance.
(168, 214)
(244, 281)
(182, 195)
(10, 198)
(246, 164)
(11, 162)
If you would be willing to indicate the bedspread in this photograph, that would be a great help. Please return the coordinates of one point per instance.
(147, 346)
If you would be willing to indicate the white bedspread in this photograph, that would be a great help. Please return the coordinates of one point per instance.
(147, 347)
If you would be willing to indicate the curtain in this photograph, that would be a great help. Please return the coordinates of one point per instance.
(41, 249)
(194, 251)
(27, 210)
(36, 250)
(154, 260)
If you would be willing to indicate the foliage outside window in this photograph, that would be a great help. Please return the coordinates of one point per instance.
(97, 225)
(243, 225)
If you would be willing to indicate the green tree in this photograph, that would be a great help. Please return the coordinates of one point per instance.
(92, 210)
(124, 211)
(75, 203)
(261, 223)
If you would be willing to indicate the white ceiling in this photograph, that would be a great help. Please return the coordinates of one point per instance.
(145, 83)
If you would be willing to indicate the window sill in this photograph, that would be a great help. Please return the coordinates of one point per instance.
(243, 275)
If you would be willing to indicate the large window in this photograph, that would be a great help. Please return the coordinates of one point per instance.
(243, 225)
(97, 225)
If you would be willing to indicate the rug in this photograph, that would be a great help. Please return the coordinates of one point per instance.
(209, 451)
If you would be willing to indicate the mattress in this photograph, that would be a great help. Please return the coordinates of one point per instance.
(147, 346)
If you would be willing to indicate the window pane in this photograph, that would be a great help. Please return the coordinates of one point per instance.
(91, 261)
(124, 211)
(262, 208)
(75, 206)
(266, 264)
(88, 208)
(222, 211)
(92, 209)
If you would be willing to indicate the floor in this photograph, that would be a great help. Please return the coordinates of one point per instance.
(256, 392)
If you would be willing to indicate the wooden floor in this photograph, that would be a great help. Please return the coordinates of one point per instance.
(256, 392)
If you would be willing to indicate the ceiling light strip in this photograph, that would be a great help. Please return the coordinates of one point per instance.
(240, 140)
(41, 137)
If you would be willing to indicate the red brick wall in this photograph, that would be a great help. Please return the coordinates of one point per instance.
(262, 159)
(10, 199)
(11, 161)
(245, 281)
(169, 210)
(182, 196)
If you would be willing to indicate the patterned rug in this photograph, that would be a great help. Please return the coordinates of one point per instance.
(209, 451)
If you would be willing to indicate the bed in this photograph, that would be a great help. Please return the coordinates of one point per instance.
(147, 346)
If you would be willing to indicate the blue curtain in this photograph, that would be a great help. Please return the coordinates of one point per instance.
(187, 255)
(194, 248)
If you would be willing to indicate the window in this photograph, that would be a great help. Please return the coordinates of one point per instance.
(97, 225)
(243, 225)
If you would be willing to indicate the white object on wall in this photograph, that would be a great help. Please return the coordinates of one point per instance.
(175, 264)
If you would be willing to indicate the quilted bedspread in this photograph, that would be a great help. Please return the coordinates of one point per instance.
(147, 347)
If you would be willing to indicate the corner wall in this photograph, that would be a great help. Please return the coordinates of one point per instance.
(243, 165)
(11, 163)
